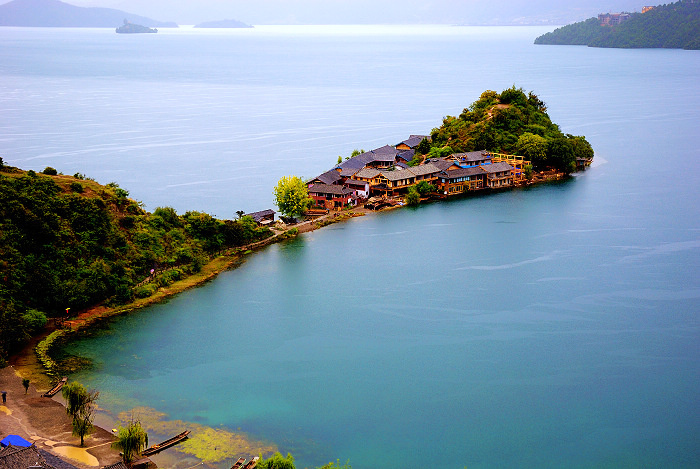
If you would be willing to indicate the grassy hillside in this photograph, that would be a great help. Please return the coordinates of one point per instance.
(511, 122)
(69, 242)
(673, 26)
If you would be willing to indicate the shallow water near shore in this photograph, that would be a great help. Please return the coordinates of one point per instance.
(555, 326)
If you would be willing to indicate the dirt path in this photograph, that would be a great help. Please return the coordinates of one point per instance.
(44, 422)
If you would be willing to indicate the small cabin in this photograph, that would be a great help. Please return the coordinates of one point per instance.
(263, 218)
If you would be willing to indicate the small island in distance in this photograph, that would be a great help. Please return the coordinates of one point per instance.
(223, 24)
(672, 26)
(130, 28)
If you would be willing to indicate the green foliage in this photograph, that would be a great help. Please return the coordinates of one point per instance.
(77, 187)
(424, 188)
(131, 440)
(292, 196)
(63, 249)
(412, 196)
(423, 147)
(277, 461)
(340, 159)
(675, 26)
(34, 320)
(80, 405)
(44, 347)
(513, 122)
(356, 152)
(50, 171)
(533, 148)
(25, 384)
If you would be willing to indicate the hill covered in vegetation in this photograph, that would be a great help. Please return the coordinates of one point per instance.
(511, 122)
(69, 242)
(672, 26)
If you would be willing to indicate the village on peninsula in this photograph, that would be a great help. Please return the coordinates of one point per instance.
(136, 258)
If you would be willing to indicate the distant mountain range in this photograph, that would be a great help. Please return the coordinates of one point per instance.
(54, 13)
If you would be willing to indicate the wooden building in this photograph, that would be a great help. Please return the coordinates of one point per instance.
(331, 196)
(264, 217)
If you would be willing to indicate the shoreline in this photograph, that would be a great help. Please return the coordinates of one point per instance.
(27, 362)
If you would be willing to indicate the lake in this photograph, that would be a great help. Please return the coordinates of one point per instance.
(555, 326)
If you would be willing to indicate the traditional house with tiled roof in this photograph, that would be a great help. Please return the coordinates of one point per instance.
(24, 457)
(498, 174)
(331, 196)
(472, 158)
(361, 188)
(329, 177)
(460, 180)
(411, 142)
(425, 172)
(264, 217)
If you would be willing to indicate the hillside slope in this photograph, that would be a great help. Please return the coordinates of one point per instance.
(54, 13)
(673, 26)
(511, 122)
(69, 242)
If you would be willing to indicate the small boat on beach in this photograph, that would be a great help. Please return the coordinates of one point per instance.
(252, 463)
(166, 444)
(54, 390)
(238, 464)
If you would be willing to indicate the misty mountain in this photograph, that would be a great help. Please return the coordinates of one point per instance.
(54, 13)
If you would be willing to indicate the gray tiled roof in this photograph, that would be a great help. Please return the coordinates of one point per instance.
(441, 164)
(414, 140)
(406, 155)
(22, 457)
(497, 167)
(472, 155)
(398, 174)
(355, 182)
(329, 189)
(462, 172)
(424, 169)
(368, 173)
(329, 177)
(257, 216)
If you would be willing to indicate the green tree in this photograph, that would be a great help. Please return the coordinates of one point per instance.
(50, 171)
(424, 187)
(292, 196)
(340, 159)
(412, 196)
(80, 404)
(25, 383)
(534, 148)
(277, 461)
(356, 152)
(423, 147)
(131, 440)
(560, 154)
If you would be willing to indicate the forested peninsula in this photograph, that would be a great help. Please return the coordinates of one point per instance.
(672, 26)
(69, 244)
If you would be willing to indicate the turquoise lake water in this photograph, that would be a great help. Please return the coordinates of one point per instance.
(555, 326)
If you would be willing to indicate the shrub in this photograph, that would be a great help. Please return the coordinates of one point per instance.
(76, 187)
(145, 291)
(50, 171)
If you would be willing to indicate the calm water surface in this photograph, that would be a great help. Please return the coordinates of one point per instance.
(550, 327)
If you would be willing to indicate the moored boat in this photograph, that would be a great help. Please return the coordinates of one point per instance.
(238, 464)
(165, 444)
(54, 390)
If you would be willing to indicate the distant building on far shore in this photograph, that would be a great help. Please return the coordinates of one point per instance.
(612, 19)
(645, 9)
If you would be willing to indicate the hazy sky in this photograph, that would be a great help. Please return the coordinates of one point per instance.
(369, 11)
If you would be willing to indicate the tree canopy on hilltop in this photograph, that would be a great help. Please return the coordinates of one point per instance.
(513, 122)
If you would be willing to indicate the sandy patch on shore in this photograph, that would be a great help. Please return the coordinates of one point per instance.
(45, 422)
